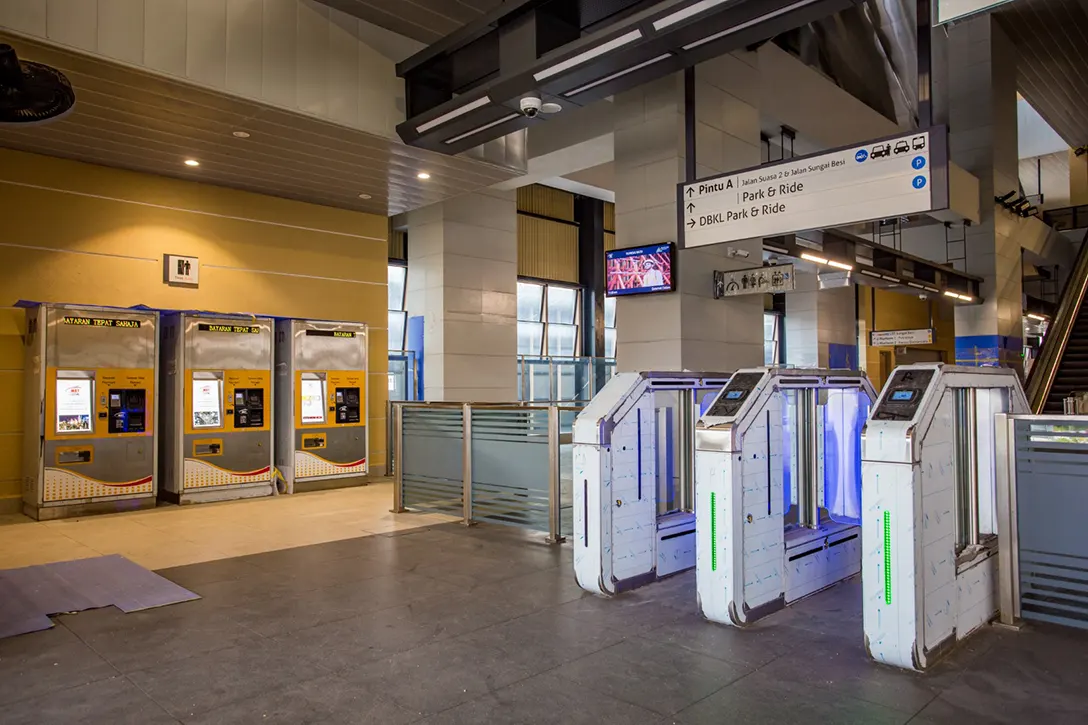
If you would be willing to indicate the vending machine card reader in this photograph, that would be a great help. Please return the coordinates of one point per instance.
(321, 433)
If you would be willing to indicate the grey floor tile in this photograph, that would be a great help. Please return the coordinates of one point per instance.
(749, 647)
(197, 684)
(139, 640)
(278, 615)
(437, 676)
(530, 592)
(545, 700)
(327, 700)
(545, 639)
(366, 637)
(760, 699)
(631, 613)
(209, 572)
(34, 665)
(115, 701)
(652, 675)
(845, 668)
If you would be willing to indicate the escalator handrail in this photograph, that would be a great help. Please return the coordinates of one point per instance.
(1045, 368)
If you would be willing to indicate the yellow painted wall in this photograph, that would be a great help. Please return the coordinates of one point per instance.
(80, 233)
(898, 311)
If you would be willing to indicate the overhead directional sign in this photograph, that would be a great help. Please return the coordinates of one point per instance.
(881, 179)
(898, 338)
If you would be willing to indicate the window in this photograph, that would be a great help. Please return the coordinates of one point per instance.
(772, 325)
(398, 317)
(547, 320)
(610, 327)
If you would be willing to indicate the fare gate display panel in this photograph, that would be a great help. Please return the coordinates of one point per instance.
(904, 395)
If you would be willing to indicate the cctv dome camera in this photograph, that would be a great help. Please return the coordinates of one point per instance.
(531, 105)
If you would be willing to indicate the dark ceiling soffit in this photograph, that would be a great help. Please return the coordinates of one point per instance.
(895, 268)
(656, 54)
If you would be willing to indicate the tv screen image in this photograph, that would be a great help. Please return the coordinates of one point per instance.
(639, 270)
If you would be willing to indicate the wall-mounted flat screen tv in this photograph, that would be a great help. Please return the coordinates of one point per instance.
(640, 270)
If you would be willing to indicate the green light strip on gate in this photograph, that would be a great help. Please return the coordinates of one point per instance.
(887, 557)
(713, 533)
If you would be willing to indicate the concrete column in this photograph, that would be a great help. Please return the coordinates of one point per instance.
(821, 325)
(687, 329)
(462, 282)
(982, 119)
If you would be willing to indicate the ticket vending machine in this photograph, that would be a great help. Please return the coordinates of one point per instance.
(217, 407)
(778, 489)
(632, 476)
(929, 500)
(90, 443)
(321, 379)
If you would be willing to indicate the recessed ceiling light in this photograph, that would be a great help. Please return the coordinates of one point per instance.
(192, 162)
(364, 196)
(423, 175)
(241, 134)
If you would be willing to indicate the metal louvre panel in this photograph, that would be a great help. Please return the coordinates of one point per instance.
(1052, 493)
(510, 467)
(432, 459)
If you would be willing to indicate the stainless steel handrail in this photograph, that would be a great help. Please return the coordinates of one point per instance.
(1045, 369)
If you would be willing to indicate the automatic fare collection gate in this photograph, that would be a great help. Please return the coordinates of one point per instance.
(1047, 563)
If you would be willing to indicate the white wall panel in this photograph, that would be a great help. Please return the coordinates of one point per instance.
(121, 30)
(295, 54)
(206, 42)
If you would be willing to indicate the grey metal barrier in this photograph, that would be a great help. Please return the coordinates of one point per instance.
(1042, 461)
(495, 463)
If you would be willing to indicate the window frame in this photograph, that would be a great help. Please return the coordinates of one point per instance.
(545, 323)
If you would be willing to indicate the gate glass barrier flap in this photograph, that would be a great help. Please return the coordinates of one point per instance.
(633, 479)
(930, 502)
(778, 489)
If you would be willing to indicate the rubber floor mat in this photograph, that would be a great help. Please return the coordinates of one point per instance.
(29, 595)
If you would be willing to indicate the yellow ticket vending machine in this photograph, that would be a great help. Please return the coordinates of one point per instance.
(321, 431)
(217, 407)
(90, 443)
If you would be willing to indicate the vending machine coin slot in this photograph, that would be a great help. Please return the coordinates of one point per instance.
(127, 410)
(347, 405)
(248, 407)
(75, 455)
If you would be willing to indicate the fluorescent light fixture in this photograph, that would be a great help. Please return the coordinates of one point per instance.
(840, 265)
(1034, 316)
(813, 258)
(932, 289)
(915, 285)
(617, 74)
(478, 129)
(467, 108)
(890, 279)
(967, 298)
(577, 60)
(870, 274)
(958, 296)
(749, 23)
(689, 11)
(423, 175)
(192, 162)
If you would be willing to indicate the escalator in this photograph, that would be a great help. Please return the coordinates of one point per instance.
(1062, 367)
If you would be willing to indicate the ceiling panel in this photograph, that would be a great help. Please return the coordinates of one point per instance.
(1051, 38)
(424, 20)
(136, 120)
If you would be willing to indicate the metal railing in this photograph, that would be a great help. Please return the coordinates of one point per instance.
(562, 378)
(507, 464)
(1045, 367)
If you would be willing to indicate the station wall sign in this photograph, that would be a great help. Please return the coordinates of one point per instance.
(754, 281)
(881, 179)
(900, 338)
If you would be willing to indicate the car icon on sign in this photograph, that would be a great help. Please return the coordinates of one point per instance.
(881, 150)
(918, 143)
(902, 147)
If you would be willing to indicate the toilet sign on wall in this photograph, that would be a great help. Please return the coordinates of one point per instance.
(181, 270)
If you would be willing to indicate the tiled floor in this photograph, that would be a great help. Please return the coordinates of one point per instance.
(174, 536)
(446, 625)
